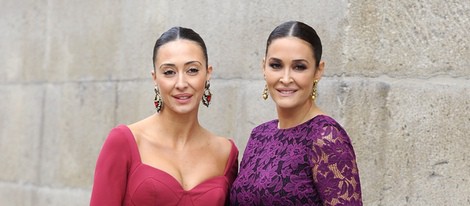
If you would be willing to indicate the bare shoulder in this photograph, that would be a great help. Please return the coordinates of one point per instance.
(222, 145)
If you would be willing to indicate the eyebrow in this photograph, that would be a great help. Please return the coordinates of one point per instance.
(295, 60)
(174, 65)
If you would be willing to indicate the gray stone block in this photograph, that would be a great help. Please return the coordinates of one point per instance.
(407, 38)
(406, 136)
(21, 111)
(31, 195)
(134, 101)
(45, 196)
(427, 141)
(83, 40)
(16, 194)
(77, 119)
(23, 40)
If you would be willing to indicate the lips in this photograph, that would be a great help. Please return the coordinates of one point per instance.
(182, 98)
(286, 92)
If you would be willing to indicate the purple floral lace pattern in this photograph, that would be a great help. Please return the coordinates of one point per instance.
(310, 164)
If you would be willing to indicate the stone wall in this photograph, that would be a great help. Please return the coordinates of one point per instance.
(397, 78)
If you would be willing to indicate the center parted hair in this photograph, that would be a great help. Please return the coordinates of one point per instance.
(176, 33)
(301, 31)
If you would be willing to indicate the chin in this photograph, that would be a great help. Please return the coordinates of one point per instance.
(285, 103)
(184, 109)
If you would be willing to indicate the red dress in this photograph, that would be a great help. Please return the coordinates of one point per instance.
(122, 179)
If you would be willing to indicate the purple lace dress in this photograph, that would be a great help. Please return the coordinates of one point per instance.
(310, 164)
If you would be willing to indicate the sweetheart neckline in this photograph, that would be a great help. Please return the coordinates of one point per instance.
(136, 148)
(174, 180)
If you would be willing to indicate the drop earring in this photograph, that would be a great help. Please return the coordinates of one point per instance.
(314, 90)
(265, 92)
(158, 100)
(206, 97)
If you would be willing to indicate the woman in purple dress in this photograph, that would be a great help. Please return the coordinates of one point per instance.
(304, 157)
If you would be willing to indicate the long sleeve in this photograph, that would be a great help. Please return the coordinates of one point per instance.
(335, 170)
(111, 171)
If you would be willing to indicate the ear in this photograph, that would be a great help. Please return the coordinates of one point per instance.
(263, 63)
(319, 70)
(154, 76)
(209, 73)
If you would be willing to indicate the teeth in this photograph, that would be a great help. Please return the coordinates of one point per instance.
(183, 97)
(287, 92)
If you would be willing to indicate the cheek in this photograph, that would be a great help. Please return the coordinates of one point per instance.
(271, 78)
(270, 81)
(303, 79)
(164, 90)
(305, 83)
(164, 86)
(199, 84)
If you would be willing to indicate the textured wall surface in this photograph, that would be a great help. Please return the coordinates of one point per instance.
(397, 78)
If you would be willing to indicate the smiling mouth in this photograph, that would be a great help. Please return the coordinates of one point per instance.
(286, 91)
(183, 98)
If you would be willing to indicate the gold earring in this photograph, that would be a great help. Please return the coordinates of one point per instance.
(314, 90)
(265, 92)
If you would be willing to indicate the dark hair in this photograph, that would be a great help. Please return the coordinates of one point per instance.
(301, 31)
(176, 33)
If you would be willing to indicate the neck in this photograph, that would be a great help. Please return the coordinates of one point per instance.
(291, 117)
(178, 129)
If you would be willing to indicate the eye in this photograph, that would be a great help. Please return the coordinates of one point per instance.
(169, 72)
(275, 65)
(193, 71)
(300, 67)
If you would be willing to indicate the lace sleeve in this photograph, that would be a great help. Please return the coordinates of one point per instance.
(334, 169)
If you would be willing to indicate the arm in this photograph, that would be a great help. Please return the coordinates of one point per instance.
(109, 186)
(232, 170)
(335, 171)
(233, 173)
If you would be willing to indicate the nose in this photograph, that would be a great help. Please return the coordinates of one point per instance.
(181, 82)
(286, 78)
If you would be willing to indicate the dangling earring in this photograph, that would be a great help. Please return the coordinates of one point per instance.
(206, 97)
(158, 100)
(314, 90)
(265, 92)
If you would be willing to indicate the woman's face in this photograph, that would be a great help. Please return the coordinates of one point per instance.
(181, 74)
(290, 69)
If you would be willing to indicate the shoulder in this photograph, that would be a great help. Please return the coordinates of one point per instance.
(327, 123)
(116, 150)
(325, 120)
(119, 135)
(231, 152)
(225, 145)
(329, 130)
(119, 139)
(227, 153)
(266, 126)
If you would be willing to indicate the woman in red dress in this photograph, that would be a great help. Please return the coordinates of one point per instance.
(168, 158)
